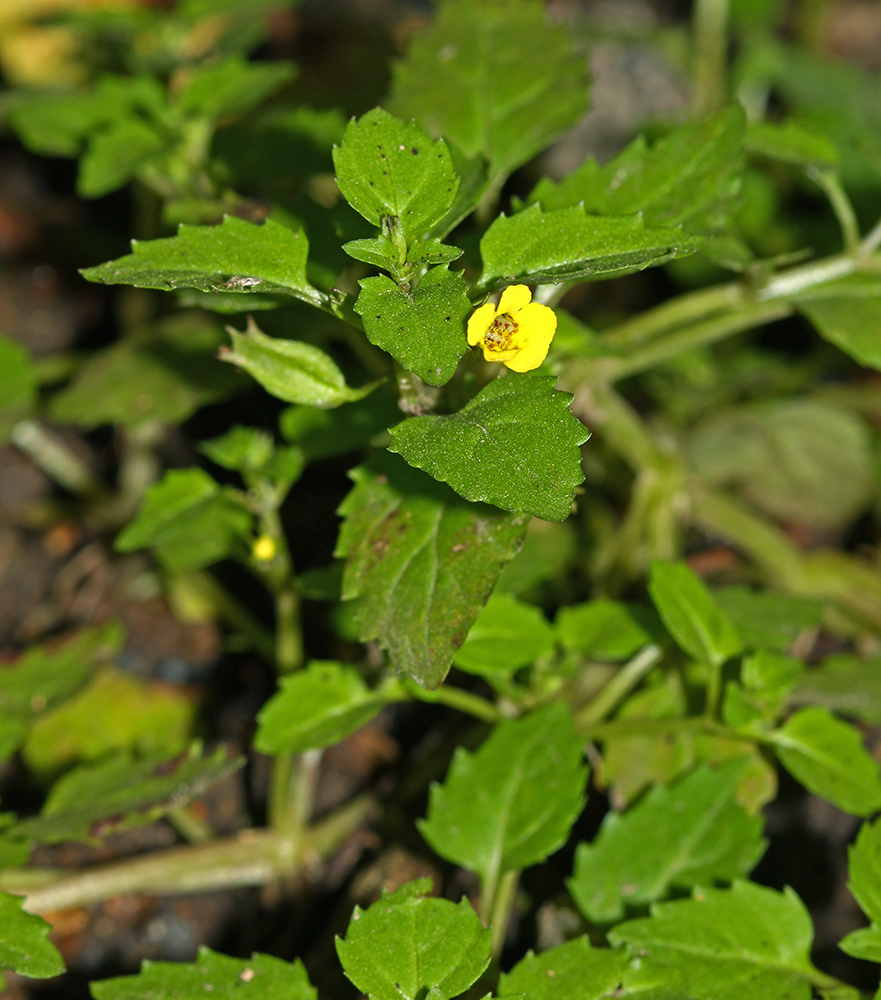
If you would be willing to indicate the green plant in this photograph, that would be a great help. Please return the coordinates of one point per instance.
(458, 546)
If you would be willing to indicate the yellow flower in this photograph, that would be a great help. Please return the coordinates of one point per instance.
(264, 548)
(517, 332)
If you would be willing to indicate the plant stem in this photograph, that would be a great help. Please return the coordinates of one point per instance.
(620, 685)
(453, 697)
(288, 637)
(56, 459)
(291, 792)
(254, 857)
(830, 183)
(689, 337)
(190, 826)
(710, 59)
(500, 911)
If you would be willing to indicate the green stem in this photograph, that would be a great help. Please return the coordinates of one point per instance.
(190, 826)
(620, 685)
(254, 857)
(710, 45)
(688, 338)
(56, 459)
(714, 690)
(454, 697)
(830, 183)
(289, 638)
(500, 910)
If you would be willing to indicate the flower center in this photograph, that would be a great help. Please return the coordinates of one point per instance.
(501, 330)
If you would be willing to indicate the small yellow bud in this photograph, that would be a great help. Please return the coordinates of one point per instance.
(264, 548)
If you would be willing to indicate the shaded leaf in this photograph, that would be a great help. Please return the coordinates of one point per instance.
(24, 946)
(845, 684)
(691, 614)
(332, 432)
(222, 977)
(385, 167)
(314, 708)
(828, 757)
(513, 802)
(423, 328)
(121, 792)
(791, 142)
(290, 370)
(864, 868)
(166, 376)
(507, 634)
(571, 971)
(514, 445)
(534, 246)
(607, 630)
(48, 674)
(421, 561)
(116, 154)
(235, 257)
(691, 833)
(765, 619)
(800, 460)
(189, 519)
(723, 944)
(495, 78)
(685, 177)
(231, 86)
(18, 385)
(851, 322)
(114, 712)
(864, 943)
(407, 946)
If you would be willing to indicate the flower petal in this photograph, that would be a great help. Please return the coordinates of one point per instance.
(536, 320)
(530, 357)
(514, 298)
(479, 322)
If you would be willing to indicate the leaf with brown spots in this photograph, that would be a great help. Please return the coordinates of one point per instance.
(422, 562)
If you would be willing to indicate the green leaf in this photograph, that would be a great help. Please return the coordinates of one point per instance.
(189, 519)
(864, 868)
(290, 369)
(606, 630)
(507, 634)
(57, 124)
(423, 328)
(121, 792)
(768, 678)
(537, 247)
(864, 943)
(571, 971)
(406, 947)
(846, 684)
(261, 977)
(234, 257)
(385, 167)
(241, 449)
(723, 944)
(116, 154)
(791, 142)
(24, 946)
(851, 322)
(18, 385)
(166, 376)
(314, 708)
(231, 86)
(422, 562)
(801, 460)
(514, 445)
(48, 674)
(115, 711)
(548, 550)
(321, 433)
(691, 833)
(513, 802)
(691, 615)
(765, 619)
(493, 77)
(828, 757)
(686, 177)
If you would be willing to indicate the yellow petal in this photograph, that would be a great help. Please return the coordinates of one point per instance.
(488, 355)
(479, 322)
(536, 320)
(514, 298)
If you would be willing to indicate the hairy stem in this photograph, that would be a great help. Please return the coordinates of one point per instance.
(710, 45)
(621, 684)
(254, 857)
(453, 697)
